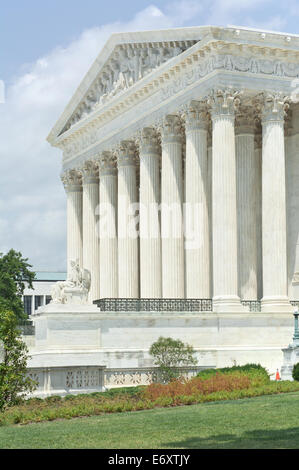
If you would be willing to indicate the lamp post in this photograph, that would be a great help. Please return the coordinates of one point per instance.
(296, 329)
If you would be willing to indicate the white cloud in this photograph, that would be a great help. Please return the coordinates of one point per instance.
(32, 199)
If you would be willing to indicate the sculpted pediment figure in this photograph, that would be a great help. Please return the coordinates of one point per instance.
(128, 64)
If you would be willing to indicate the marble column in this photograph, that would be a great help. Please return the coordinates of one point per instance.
(275, 294)
(210, 174)
(247, 203)
(258, 158)
(225, 237)
(108, 226)
(128, 259)
(197, 251)
(172, 230)
(91, 259)
(150, 239)
(73, 186)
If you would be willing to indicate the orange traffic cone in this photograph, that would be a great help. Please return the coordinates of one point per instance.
(277, 376)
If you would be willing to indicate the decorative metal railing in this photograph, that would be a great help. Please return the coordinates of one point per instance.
(254, 305)
(166, 305)
(27, 328)
(155, 305)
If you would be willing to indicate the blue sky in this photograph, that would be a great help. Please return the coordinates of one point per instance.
(46, 49)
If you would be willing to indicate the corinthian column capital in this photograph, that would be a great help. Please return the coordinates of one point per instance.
(90, 172)
(195, 115)
(148, 141)
(272, 106)
(171, 129)
(72, 180)
(223, 102)
(107, 163)
(126, 153)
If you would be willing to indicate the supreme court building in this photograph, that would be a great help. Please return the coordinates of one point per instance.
(181, 171)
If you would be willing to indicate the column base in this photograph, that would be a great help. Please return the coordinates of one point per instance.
(228, 303)
(277, 304)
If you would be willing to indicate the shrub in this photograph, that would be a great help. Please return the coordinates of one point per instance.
(295, 372)
(170, 354)
(14, 383)
(258, 373)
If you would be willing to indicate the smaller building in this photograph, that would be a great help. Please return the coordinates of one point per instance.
(41, 294)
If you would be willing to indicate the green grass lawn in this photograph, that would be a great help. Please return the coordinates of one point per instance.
(255, 423)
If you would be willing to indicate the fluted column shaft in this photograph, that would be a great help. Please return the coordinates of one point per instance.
(275, 295)
(225, 238)
(108, 227)
(197, 252)
(128, 260)
(258, 159)
(150, 239)
(247, 206)
(91, 259)
(172, 232)
(73, 186)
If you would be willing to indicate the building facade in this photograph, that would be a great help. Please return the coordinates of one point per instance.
(194, 132)
(181, 169)
(40, 295)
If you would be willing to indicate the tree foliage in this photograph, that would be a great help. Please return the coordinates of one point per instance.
(169, 354)
(295, 372)
(14, 384)
(14, 272)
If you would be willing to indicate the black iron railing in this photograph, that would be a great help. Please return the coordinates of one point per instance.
(155, 305)
(166, 305)
(27, 328)
(254, 305)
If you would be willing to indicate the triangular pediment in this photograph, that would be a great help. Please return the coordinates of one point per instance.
(124, 60)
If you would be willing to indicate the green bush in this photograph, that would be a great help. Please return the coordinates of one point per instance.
(256, 372)
(295, 372)
(170, 354)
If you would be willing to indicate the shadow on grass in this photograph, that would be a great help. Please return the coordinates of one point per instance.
(259, 439)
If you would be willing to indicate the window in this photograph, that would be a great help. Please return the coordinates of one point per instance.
(38, 301)
(48, 299)
(28, 304)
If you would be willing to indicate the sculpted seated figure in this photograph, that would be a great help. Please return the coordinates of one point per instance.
(75, 289)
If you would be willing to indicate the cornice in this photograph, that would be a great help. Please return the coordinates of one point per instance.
(196, 62)
(199, 61)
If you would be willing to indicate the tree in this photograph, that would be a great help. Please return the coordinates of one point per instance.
(14, 272)
(169, 354)
(14, 384)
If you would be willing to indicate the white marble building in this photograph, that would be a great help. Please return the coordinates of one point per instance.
(199, 128)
